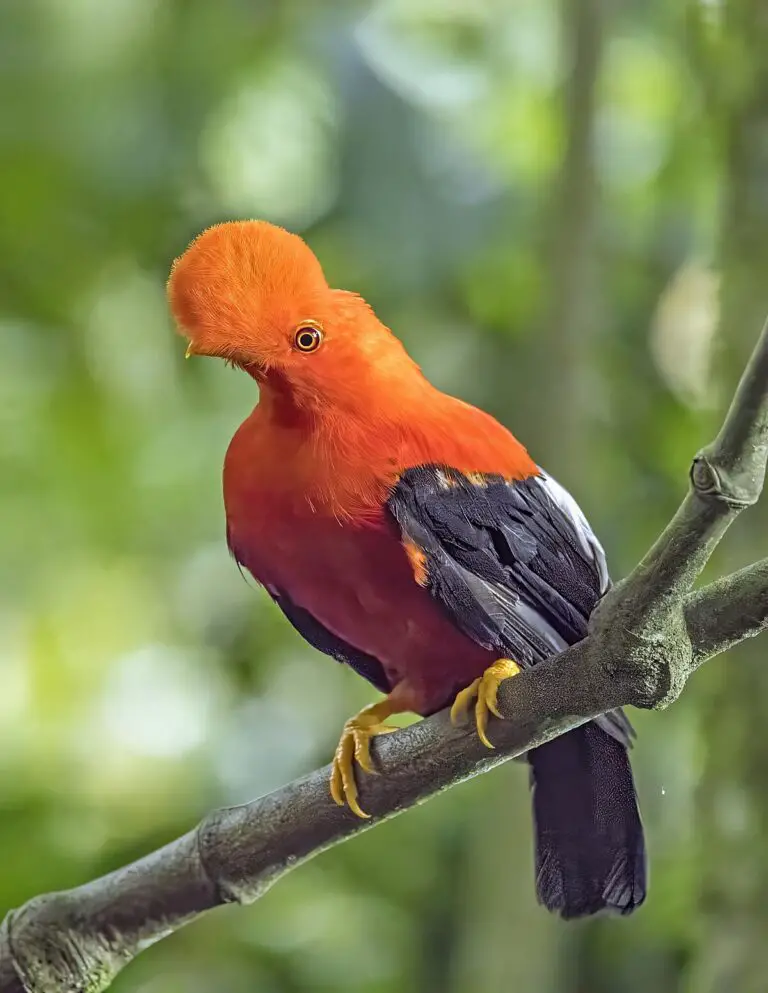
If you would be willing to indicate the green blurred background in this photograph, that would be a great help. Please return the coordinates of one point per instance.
(563, 210)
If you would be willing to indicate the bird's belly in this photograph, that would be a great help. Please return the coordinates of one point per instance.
(357, 581)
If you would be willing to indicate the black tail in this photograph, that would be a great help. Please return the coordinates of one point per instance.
(590, 851)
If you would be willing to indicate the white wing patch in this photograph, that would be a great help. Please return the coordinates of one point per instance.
(593, 550)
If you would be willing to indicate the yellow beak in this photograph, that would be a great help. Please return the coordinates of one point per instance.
(190, 351)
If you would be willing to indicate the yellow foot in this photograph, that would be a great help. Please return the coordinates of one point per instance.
(484, 691)
(355, 747)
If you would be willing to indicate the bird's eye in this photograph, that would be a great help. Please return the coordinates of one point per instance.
(308, 337)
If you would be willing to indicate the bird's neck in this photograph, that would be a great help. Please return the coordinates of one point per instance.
(344, 461)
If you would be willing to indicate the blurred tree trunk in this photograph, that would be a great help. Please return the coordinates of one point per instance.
(556, 417)
(565, 359)
(732, 816)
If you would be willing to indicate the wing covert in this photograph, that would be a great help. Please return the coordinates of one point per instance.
(513, 564)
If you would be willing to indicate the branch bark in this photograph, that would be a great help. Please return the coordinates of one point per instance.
(646, 638)
(727, 611)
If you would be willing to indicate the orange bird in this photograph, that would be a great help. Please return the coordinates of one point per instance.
(408, 535)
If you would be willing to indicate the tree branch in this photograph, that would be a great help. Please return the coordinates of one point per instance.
(646, 637)
(728, 611)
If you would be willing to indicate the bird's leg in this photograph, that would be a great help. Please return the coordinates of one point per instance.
(355, 746)
(484, 691)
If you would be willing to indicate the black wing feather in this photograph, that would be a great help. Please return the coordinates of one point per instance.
(502, 557)
(325, 641)
(517, 568)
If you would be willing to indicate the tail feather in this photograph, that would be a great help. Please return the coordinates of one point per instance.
(590, 850)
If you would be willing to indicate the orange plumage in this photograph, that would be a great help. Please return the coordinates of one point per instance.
(327, 506)
(307, 474)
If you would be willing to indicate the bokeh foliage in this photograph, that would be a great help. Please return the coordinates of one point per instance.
(563, 210)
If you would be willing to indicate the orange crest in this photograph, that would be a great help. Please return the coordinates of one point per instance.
(239, 276)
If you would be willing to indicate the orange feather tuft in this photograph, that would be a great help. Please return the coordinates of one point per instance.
(418, 561)
(239, 276)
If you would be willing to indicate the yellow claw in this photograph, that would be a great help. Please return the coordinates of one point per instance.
(355, 747)
(484, 691)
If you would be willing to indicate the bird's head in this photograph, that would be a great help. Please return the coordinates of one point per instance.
(255, 294)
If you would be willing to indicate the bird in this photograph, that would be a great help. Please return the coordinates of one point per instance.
(410, 536)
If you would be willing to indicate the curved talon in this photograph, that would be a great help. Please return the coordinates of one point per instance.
(355, 747)
(463, 702)
(484, 691)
